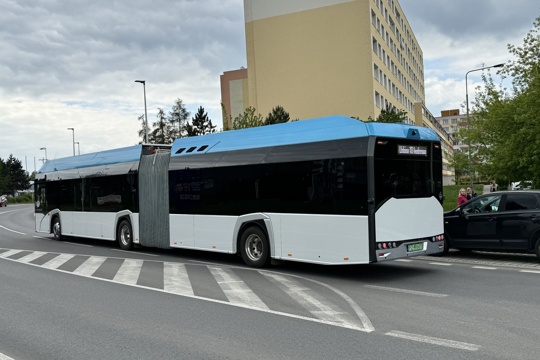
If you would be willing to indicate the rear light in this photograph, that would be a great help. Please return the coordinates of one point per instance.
(386, 245)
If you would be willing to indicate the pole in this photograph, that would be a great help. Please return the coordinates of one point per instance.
(143, 82)
(73, 130)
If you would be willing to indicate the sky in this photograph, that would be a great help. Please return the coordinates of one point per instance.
(73, 63)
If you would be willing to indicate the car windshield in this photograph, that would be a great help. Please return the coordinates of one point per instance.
(485, 204)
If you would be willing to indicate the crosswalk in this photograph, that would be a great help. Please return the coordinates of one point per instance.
(259, 290)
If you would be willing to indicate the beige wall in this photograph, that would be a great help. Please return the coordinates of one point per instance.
(313, 63)
(234, 94)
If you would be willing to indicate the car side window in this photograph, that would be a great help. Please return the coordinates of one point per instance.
(521, 202)
(485, 204)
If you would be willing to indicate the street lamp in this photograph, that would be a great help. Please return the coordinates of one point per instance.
(73, 129)
(467, 105)
(44, 148)
(143, 82)
(78, 148)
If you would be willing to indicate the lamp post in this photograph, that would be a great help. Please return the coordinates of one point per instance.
(78, 148)
(73, 129)
(467, 105)
(143, 82)
(44, 148)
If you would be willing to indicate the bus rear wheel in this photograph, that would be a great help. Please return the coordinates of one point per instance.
(254, 247)
(57, 228)
(124, 235)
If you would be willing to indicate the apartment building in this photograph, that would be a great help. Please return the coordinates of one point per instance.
(323, 57)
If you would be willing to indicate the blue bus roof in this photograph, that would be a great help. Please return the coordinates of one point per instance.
(107, 157)
(298, 132)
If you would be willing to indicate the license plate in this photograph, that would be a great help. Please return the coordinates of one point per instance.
(415, 247)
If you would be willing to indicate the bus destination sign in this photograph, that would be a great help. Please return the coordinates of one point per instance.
(412, 150)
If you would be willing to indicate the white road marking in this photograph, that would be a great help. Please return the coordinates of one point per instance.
(8, 253)
(176, 279)
(129, 271)
(412, 292)
(440, 264)
(5, 357)
(72, 243)
(325, 311)
(90, 266)
(13, 231)
(530, 271)
(58, 261)
(133, 252)
(403, 260)
(236, 290)
(434, 340)
(484, 267)
(31, 257)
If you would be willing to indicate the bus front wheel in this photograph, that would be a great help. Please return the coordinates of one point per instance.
(254, 247)
(124, 235)
(56, 228)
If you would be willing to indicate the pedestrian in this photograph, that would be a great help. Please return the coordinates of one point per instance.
(470, 193)
(462, 197)
(493, 186)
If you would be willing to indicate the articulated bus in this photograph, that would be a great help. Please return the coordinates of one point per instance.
(331, 190)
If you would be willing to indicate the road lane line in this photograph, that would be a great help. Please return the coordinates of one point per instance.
(5, 357)
(484, 267)
(412, 292)
(13, 231)
(440, 264)
(530, 271)
(434, 340)
(72, 243)
(235, 289)
(133, 252)
(323, 310)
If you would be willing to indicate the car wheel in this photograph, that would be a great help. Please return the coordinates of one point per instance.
(124, 235)
(537, 248)
(254, 247)
(57, 228)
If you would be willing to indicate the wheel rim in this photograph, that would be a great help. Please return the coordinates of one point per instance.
(254, 247)
(56, 229)
(125, 235)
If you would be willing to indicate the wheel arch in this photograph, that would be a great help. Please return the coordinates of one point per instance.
(261, 221)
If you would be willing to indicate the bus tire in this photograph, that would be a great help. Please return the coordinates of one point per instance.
(57, 228)
(124, 235)
(254, 247)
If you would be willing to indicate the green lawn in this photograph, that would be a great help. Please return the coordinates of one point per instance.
(451, 194)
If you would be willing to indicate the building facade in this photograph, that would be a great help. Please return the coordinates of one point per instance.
(324, 57)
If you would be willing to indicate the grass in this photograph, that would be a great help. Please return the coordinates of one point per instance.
(451, 193)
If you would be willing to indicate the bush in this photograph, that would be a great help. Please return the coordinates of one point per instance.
(26, 198)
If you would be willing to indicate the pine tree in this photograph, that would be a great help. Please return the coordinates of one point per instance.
(200, 124)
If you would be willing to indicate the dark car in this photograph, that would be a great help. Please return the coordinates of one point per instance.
(499, 221)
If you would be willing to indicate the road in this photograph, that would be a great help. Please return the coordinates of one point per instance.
(86, 299)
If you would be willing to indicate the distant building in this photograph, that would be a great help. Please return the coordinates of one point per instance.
(452, 121)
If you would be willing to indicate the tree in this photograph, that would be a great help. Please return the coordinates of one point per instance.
(200, 124)
(141, 118)
(248, 119)
(277, 116)
(178, 117)
(505, 126)
(390, 115)
(162, 130)
(12, 176)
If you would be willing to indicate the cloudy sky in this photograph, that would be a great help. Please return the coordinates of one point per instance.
(72, 63)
